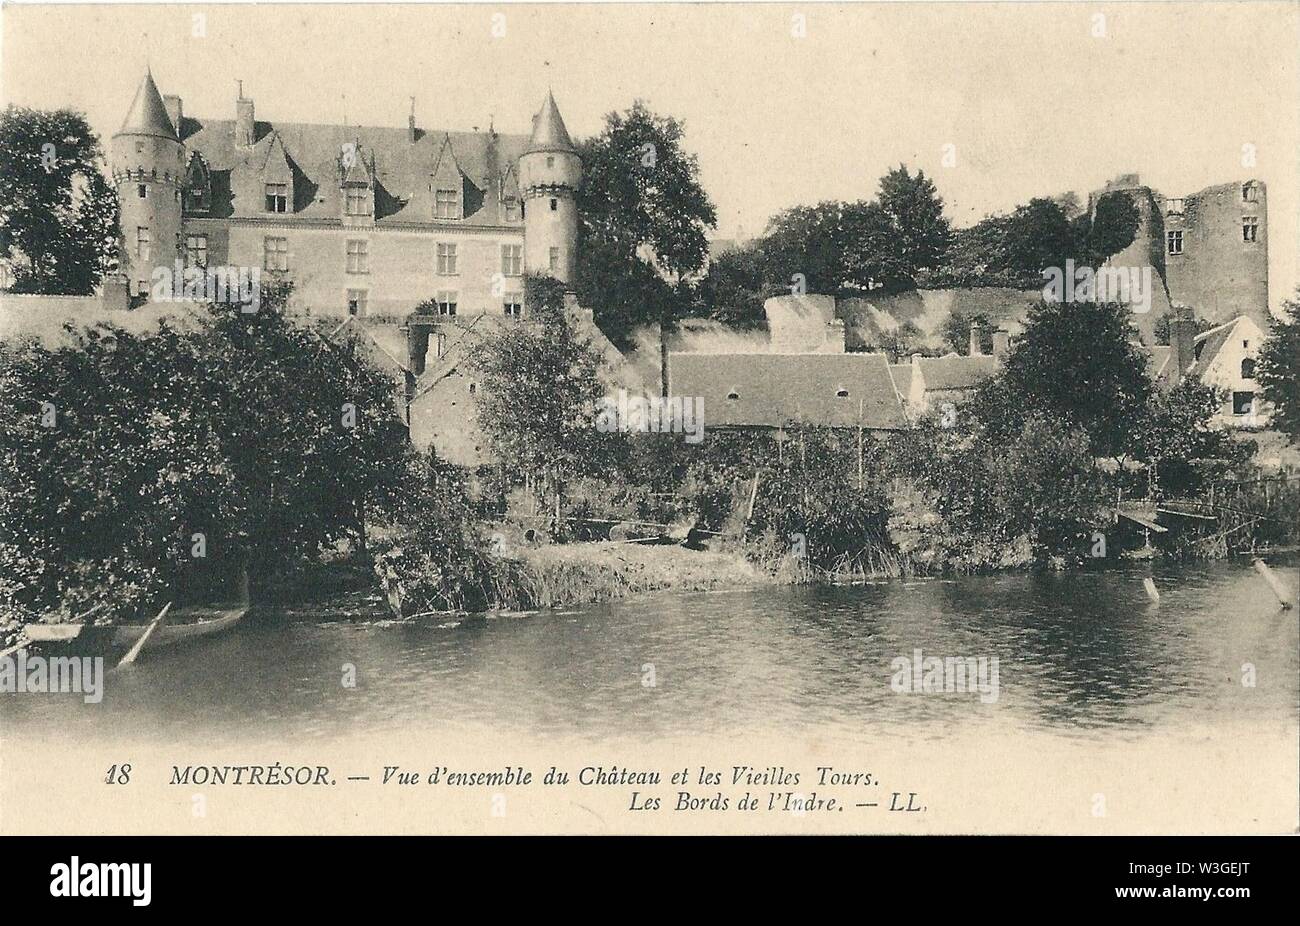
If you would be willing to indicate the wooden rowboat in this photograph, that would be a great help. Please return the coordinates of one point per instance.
(181, 627)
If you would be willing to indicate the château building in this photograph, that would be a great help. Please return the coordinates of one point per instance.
(365, 220)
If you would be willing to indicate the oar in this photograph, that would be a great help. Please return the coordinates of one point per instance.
(129, 658)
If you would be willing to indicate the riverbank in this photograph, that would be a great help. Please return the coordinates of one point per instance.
(544, 576)
(583, 573)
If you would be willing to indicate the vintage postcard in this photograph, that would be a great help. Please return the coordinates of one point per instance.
(649, 419)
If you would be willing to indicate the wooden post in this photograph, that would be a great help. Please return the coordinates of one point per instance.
(1152, 592)
(1281, 591)
(859, 445)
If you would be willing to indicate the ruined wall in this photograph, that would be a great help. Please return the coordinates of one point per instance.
(1219, 273)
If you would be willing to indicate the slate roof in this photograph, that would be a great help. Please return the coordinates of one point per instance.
(402, 170)
(955, 372)
(148, 115)
(902, 374)
(774, 390)
(549, 133)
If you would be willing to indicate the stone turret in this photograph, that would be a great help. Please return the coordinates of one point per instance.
(550, 173)
(148, 166)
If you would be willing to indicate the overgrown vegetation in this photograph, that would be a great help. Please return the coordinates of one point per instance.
(138, 462)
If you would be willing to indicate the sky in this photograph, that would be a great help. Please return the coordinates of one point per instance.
(997, 102)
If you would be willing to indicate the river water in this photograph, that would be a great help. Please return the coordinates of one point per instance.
(1083, 655)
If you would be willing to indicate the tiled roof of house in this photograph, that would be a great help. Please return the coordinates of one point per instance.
(402, 169)
(955, 372)
(774, 390)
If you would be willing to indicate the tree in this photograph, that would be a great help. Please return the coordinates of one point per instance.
(641, 205)
(1277, 369)
(1038, 235)
(1077, 360)
(920, 233)
(901, 342)
(259, 435)
(956, 331)
(804, 248)
(734, 289)
(1014, 249)
(977, 257)
(58, 213)
(539, 390)
(872, 253)
(1178, 442)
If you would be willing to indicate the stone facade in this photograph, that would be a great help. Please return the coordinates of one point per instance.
(1216, 251)
(1210, 248)
(365, 221)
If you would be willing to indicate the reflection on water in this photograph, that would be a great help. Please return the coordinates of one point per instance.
(1084, 654)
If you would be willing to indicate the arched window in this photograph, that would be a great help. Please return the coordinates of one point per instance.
(1248, 368)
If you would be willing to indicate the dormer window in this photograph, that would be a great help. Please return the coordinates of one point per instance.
(196, 198)
(512, 210)
(277, 197)
(733, 396)
(446, 204)
(841, 393)
(356, 201)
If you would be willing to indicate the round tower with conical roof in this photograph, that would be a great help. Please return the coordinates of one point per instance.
(550, 173)
(148, 165)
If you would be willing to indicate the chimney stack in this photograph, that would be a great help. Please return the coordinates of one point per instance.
(1182, 346)
(175, 112)
(417, 342)
(974, 339)
(835, 337)
(1001, 344)
(410, 124)
(245, 124)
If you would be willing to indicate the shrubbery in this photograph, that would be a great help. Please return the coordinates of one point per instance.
(138, 464)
